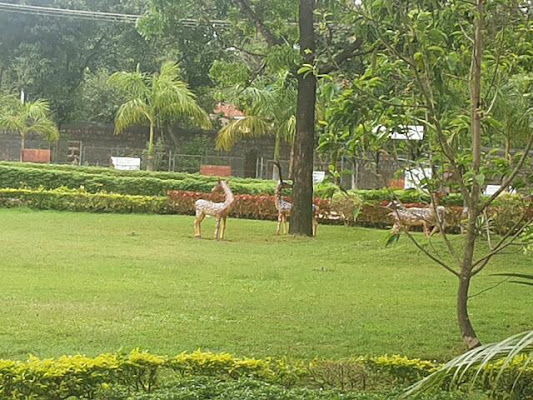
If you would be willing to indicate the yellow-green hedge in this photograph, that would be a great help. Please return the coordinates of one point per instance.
(84, 377)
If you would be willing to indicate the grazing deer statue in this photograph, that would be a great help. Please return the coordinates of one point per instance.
(405, 218)
(284, 207)
(219, 210)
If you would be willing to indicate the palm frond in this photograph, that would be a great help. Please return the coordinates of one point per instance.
(12, 122)
(132, 84)
(171, 98)
(287, 129)
(46, 128)
(36, 109)
(133, 112)
(170, 71)
(527, 279)
(248, 127)
(475, 363)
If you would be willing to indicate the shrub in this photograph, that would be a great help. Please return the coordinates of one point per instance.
(94, 180)
(79, 200)
(200, 375)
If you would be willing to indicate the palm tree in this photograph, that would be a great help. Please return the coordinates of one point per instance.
(25, 118)
(270, 111)
(152, 99)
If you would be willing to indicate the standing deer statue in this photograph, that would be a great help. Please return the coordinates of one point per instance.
(219, 210)
(284, 207)
(426, 217)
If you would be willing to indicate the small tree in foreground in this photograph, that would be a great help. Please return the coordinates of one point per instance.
(26, 118)
(153, 99)
(450, 62)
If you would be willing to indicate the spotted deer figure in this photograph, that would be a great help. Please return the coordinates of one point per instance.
(219, 210)
(284, 207)
(426, 217)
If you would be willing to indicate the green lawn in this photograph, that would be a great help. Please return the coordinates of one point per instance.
(92, 283)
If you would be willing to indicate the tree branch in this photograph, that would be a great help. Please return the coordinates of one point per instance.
(507, 182)
(246, 8)
(427, 253)
(348, 52)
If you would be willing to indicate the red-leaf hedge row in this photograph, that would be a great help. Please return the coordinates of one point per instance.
(262, 207)
(245, 205)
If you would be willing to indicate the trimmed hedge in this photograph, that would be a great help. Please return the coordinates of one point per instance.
(78, 200)
(95, 179)
(120, 376)
(259, 207)
(16, 177)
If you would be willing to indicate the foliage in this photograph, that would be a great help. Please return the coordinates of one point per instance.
(155, 99)
(108, 180)
(509, 214)
(50, 57)
(85, 377)
(26, 118)
(108, 375)
(94, 179)
(269, 109)
(159, 156)
(80, 200)
(503, 368)
(204, 388)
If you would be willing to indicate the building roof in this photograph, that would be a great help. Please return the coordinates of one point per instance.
(228, 111)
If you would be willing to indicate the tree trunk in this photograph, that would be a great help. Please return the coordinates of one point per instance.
(22, 146)
(150, 158)
(291, 162)
(277, 145)
(302, 212)
(467, 331)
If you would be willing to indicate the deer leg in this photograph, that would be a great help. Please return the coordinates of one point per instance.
(217, 226)
(315, 225)
(280, 217)
(197, 229)
(223, 228)
(285, 229)
(426, 229)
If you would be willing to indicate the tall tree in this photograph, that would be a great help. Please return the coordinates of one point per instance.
(153, 99)
(302, 213)
(268, 40)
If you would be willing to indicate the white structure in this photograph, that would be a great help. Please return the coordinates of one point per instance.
(318, 176)
(414, 177)
(126, 163)
(409, 132)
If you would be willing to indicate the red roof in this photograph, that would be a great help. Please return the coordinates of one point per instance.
(228, 110)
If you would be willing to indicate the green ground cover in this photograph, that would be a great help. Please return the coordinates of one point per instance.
(93, 283)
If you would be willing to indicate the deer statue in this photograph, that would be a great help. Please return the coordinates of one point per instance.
(284, 207)
(426, 217)
(219, 210)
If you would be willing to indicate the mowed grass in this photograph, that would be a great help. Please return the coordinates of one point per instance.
(92, 283)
